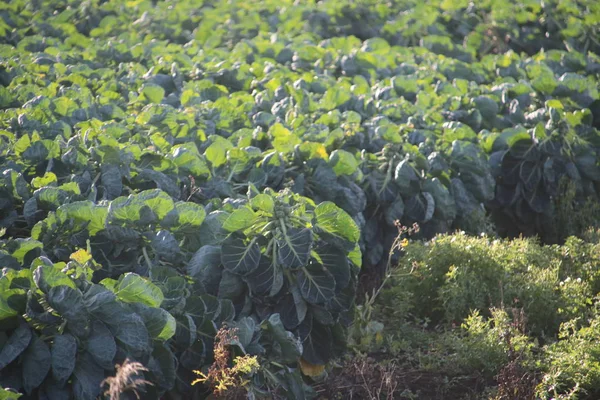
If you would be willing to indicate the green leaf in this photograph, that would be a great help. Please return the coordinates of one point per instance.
(84, 212)
(263, 202)
(240, 219)
(131, 209)
(101, 345)
(153, 92)
(293, 247)
(343, 162)
(48, 276)
(216, 153)
(230, 287)
(36, 364)
(64, 354)
(394, 212)
(186, 217)
(336, 222)
(15, 345)
(46, 180)
(7, 394)
(132, 288)
(238, 257)
(25, 246)
(445, 208)
(316, 284)
(531, 174)
(284, 140)
(420, 208)
(165, 245)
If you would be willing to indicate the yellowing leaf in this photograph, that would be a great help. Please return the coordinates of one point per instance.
(81, 256)
(309, 369)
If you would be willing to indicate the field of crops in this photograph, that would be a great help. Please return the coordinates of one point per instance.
(171, 168)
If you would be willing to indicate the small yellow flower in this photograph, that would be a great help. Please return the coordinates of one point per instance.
(404, 242)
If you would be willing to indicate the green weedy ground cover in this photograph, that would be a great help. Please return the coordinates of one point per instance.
(169, 167)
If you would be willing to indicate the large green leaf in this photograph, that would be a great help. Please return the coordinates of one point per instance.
(445, 207)
(186, 216)
(85, 212)
(263, 202)
(153, 92)
(530, 174)
(165, 245)
(132, 288)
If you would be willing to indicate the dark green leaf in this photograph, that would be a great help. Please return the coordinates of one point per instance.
(266, 279)
(64, 354)
(159, 323)
(87, 378)
(292, 308)
(37, 361)
(68, 302)
(285, 344)
(293, 247)
(15, 345)
(238, 257)
(163, 365)
(101, 345)
(318, 344)
(335, 261)
(316, 284)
